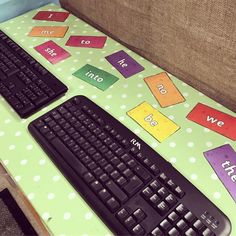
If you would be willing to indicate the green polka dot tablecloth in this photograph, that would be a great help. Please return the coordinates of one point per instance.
(61, 208)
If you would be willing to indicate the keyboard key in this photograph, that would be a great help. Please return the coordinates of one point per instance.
(133, 186)
(74, 163)
(165, 225)
(127, 173)
(142, 173)
(182, 225)
(115, 174)
(163, 178)
(132, 164)
(50, 135)
(104, 178)
(125, 143)
(154, 168)
(121, 181)
(198, 225)
(207, 232)
(119, 152)
(162, 208)
(96, 186)
(122, 167)
(190, 232)
(113, 132)
(147, 192)
(155, 185)
(173, 217)
(115, 161)
(108, 168)
(86, 160)
(97, 156)
(171, 184)
(122, 214)
(179, 192)
(190, 217)
(154, 199)
(134, 150)
(173, 232)
(181, 209)
(89, 177)
(126, 158)
(112, 204)
(171, 200)
(109, 155)
(108, 127)
(138, 230)
(139, 215)
(98, 171)
(147, 162)
(39, 123)
(130, 222)
(114, 146)
(162, 192)
(104, 195)
(116, 191)
(108, 141)
(140, 156)
(157, 232)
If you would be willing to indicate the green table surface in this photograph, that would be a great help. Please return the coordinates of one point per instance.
(59, 205)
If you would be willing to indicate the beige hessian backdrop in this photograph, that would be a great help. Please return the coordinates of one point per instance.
(194, 40)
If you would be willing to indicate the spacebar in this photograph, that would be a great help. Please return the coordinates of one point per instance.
(69, 157)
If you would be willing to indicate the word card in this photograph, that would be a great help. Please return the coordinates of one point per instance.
(51, 16)
(164, 90)
(87, 41)
(223, 161)
(52, 52)
(215, 120)
(154, 122)
(49, 31)
(96, 77)
(125, 64)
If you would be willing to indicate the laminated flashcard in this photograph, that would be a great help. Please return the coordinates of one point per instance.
(124, 63)
(153, 121)
(51, 16)
(223, 161)
(87, 41)
(96, 77)
(49, 31)
(215, 120)
(52, 52)
(164, 90)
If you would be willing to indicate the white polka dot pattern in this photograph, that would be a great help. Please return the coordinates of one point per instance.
(62, 209)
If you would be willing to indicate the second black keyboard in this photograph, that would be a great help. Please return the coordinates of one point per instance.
(131, 187)
(25, 84)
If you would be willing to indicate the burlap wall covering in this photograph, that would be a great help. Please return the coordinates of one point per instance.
(192, 39)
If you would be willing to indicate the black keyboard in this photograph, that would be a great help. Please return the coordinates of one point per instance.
(131, 187)
(24, 83)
